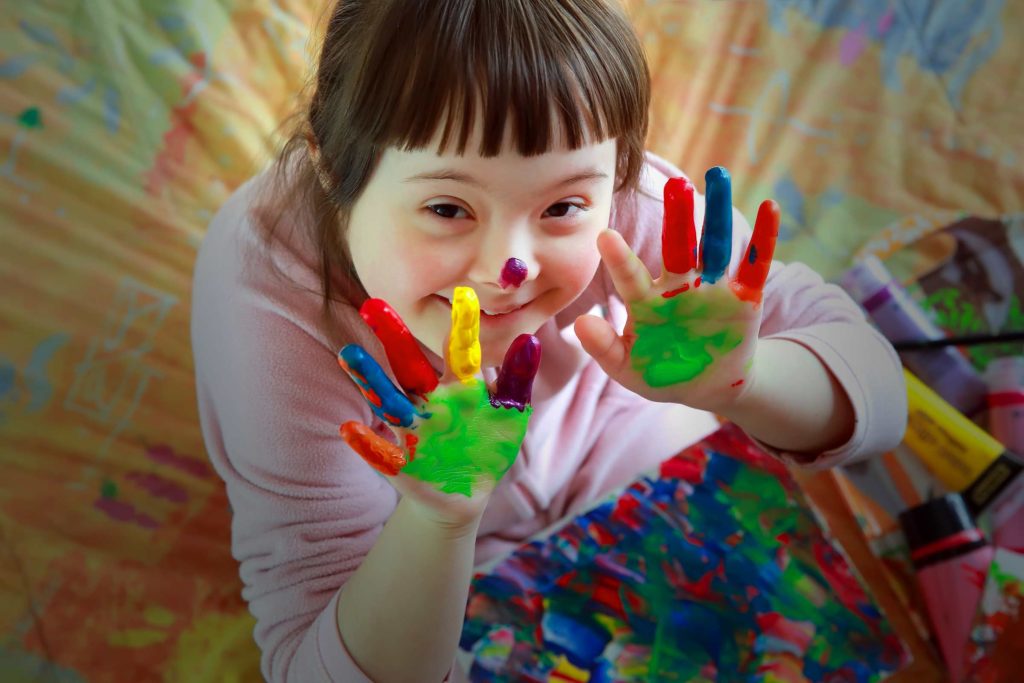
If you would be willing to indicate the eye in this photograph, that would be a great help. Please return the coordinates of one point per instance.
(449, 211)
(565, 209)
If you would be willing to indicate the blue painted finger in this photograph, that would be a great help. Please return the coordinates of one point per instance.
(716, 237)
(387, 402)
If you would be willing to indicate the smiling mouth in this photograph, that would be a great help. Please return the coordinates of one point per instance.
(485, 313)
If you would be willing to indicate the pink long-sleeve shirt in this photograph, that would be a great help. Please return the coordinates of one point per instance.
(307, 509)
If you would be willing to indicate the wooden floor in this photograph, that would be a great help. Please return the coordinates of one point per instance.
(822, 488)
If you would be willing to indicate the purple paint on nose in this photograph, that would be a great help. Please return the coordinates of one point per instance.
(513, 274)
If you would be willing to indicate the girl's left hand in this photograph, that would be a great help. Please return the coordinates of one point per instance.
(691, 335)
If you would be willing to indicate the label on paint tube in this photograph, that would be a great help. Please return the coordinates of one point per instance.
(961, 455)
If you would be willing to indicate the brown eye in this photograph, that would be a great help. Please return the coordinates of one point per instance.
(447, 210)
(564, 209)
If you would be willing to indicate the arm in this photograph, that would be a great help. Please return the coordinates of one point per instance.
(817, 418)
(420, 571)
(823, 386)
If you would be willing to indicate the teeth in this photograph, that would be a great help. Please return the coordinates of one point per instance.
(484, 310)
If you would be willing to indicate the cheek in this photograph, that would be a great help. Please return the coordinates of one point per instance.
(573, 264)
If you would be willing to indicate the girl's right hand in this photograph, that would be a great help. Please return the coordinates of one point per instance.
(457, 439)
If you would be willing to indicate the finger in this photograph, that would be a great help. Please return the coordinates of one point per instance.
(753, 270)
(515, 379)
(678, 230)
(600, 340)
(386, 401)
(464, 342)
(629, 274)
(411, 367)
(378, 452)
(716, 237)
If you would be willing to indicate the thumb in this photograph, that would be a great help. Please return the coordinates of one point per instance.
(600, 340)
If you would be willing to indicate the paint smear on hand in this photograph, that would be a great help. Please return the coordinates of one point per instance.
(466, 441)
(678, 338)
(513, 274)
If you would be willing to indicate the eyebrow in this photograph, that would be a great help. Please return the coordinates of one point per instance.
(450, 174)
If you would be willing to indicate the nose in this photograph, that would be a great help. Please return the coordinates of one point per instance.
(506, 258)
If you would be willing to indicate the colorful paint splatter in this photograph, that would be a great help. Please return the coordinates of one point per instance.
(716, 569)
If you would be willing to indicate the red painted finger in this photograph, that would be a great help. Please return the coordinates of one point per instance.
(753, 270)
(378, 452)
(679, 231)
(411, 367)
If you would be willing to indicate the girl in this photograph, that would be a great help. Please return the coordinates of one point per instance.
(487, 150)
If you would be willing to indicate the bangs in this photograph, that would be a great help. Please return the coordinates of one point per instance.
(534, 73)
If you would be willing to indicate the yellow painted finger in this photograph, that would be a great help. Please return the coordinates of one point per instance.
(464, 342)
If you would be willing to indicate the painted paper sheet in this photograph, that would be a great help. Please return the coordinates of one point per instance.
(714, 569)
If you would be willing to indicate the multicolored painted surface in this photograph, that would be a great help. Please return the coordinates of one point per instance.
(993, 653)
(125, 125)
(714, 569)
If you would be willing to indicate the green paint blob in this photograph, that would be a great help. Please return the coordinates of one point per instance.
(678, 338)
(108, 489)
(31, 118)
(466, 440)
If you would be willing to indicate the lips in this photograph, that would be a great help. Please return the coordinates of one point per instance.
(490, 311)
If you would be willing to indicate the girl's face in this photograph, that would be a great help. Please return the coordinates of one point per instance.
(428, 222)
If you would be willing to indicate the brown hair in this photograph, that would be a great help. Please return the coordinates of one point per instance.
(393, 73)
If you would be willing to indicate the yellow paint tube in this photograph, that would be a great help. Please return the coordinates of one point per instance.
(961, 455)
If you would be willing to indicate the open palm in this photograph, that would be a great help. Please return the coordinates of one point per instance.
(691, 333)
(457, 439)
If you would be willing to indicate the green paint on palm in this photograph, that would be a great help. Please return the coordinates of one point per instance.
(466, 440)
(678, 338)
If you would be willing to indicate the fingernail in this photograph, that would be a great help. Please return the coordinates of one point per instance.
(515, 380)
(386, 401)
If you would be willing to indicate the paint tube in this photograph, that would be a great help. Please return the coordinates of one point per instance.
(1005, 380)
(951, 559)
(946, 370)
(959, 453)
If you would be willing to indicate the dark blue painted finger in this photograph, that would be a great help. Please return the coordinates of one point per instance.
(716, 237)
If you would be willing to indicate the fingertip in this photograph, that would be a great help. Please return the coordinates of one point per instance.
(769, 215)
(716, 174)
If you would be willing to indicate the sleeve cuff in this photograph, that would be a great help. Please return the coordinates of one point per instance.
(870, 373)
(338, 664)
(334, 657)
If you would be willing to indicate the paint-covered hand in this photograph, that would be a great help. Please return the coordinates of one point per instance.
(458, 437)
(691, 334)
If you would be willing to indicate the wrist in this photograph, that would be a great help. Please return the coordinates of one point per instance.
(447, 524)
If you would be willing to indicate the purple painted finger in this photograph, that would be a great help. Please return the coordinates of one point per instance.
(515, 379)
